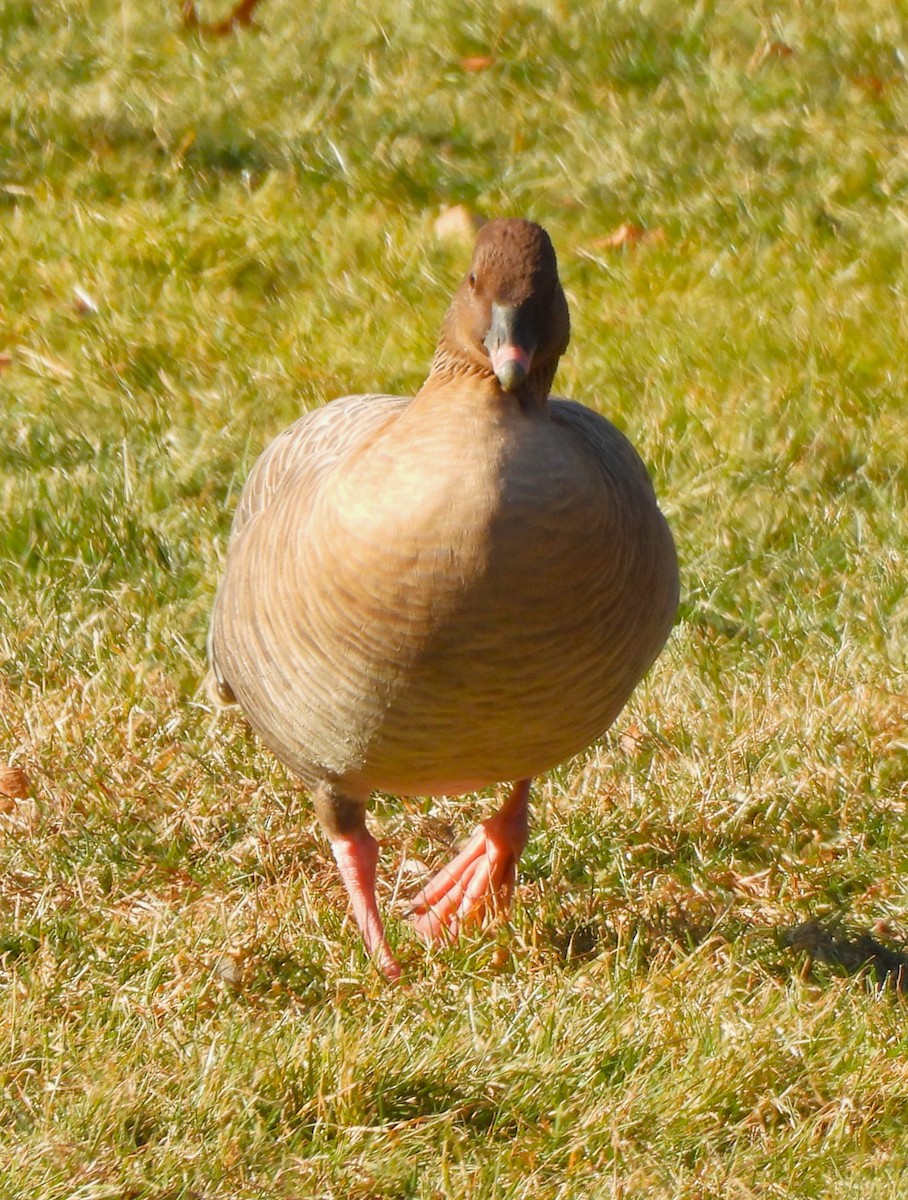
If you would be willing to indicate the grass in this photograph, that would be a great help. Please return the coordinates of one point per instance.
(185, 1013)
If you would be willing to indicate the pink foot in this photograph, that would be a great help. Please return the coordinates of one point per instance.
(356, 856)
(482, 876)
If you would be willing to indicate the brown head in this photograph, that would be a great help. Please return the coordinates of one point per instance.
(509, 318)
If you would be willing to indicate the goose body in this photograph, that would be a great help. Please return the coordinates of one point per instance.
(429, 595)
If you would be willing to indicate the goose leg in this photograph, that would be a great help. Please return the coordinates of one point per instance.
(356, 854)
(481, 877)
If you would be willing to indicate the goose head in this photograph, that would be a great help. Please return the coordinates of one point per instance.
(509, 316)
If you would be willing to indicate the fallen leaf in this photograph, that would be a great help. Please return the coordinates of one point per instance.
(501, 956)
(230, 967)
(871, 84)
(769, 50)
(628, 235)
(477, 62)
(457, 222)
(631, 739)
(240, 17)
(6, 360)
(14, 783)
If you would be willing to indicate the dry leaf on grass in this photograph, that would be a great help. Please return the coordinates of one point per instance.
(631, 739)
(767, 50)
(14, 783)
(501, 957)
(240, 17)
(6, 359)
(457, 222)
(628, 235)
(476, 62)
(230, 966)
(872, 85)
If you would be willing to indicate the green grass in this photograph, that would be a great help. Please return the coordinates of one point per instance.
(185, 1013)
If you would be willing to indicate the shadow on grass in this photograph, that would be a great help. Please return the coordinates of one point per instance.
(850, 951)
(846, 949)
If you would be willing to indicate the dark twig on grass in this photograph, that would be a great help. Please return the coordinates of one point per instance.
(240, 17)
(854, 952)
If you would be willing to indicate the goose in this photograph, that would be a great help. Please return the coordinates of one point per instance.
(429, 595)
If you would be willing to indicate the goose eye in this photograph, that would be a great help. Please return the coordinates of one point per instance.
(472, 279)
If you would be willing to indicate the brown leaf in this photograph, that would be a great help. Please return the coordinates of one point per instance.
(14, 783)
(882, 928)
(476, 62)
(457, 223)
(766, 50)
(631, 739)
(6, 359)
(627, 236)
(239, 17)
(230, 967)
(871, 84)
(501, 956)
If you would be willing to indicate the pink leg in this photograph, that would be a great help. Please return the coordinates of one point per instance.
(481, 877)
(356, 855)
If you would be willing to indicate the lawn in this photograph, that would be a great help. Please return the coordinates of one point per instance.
(201, 238)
